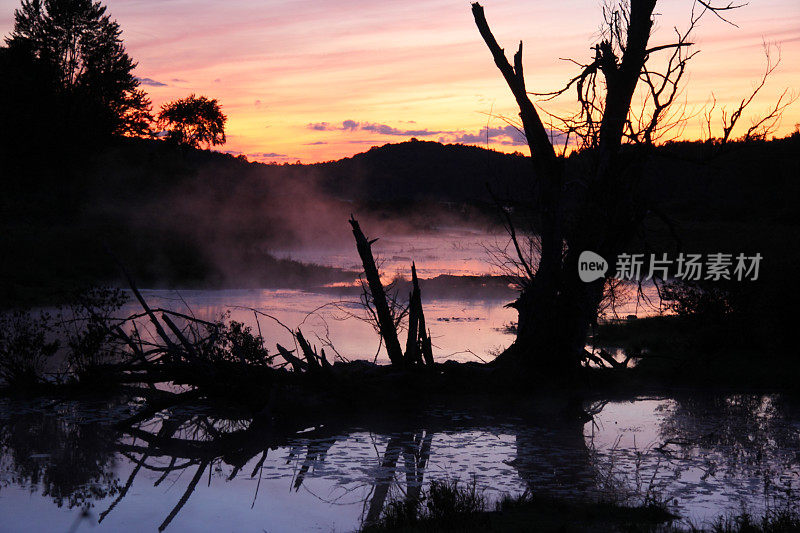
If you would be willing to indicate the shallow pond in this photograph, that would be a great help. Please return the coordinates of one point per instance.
(63, 466)
(461, 329)
(467, 317)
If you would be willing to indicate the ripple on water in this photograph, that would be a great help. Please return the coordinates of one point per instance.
(705, 454)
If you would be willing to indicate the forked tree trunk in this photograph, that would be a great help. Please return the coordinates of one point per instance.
(556, 310)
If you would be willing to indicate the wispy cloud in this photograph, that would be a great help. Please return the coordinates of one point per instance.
(151, 82)
(320, 126)
(508, 135)
(373, 127)
(505, 136)
(264, 155)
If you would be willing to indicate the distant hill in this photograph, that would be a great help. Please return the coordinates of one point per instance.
(184, 217)
(422, 171)
(196, 217)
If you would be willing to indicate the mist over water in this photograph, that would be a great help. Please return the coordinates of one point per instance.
(465, 298)
(63, 464)
(282, 257)
(239, 220)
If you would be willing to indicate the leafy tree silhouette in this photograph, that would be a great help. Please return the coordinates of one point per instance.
(81, 49)
(193, 121)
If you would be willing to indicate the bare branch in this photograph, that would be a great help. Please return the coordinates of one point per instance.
(535, 132)
(763, 127)
(729, 123)
(717, 9)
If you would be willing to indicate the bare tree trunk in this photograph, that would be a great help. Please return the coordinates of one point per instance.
(385, 320)
(418, 345)
(414, 311)
(537, 302)
(556, 309)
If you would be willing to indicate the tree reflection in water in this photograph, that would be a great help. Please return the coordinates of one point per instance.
(746, 444)
(62, 459)
(70, 456)
(707, 454)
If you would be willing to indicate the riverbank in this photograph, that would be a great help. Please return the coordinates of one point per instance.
(451, 507)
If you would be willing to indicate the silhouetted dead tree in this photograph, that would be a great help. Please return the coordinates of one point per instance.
(594, 204)
(388, 329)
(418, 344)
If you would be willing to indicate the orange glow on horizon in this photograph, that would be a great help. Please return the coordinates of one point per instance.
(316, 81)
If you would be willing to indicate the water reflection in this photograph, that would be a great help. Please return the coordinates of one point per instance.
(738, 437)
(462, 329)
(189, 469)
(555, 459)
(706, 453)
(56, 455)
(415, 449)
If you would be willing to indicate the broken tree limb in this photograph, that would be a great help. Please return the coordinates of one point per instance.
(423, 353)
(385, 321)
(181, 337)
(613, 363)
(325, 363)
(308, 352)
(535, 132)
(297, 364)
(138, 353)
(592, 358)
(159, 329)
(427, 350)
(424, 334)
(414, 306)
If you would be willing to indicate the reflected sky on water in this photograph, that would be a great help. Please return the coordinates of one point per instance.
(194, 471)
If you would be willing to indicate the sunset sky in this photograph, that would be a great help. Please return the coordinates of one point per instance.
(320, 80)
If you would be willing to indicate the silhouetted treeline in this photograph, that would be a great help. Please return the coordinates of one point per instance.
(198, 217)
(734, 198)
(424, 171)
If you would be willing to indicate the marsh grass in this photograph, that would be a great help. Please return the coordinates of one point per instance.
(445, 505)
(772, 521)
(454, 506)
(25, 347)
